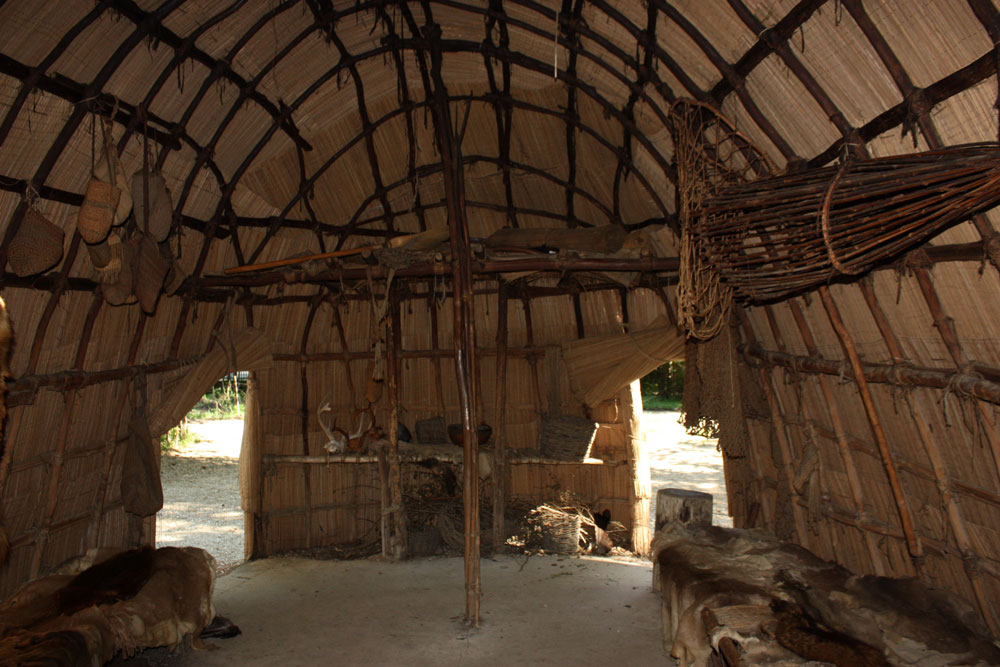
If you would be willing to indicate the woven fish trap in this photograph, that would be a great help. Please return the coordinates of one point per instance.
(37, 246)
(566, 438)
(776, 236)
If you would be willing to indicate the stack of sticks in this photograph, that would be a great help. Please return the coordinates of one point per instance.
(782, 235)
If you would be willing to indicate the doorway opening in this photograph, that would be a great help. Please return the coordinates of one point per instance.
(199, 470)
(677, 458)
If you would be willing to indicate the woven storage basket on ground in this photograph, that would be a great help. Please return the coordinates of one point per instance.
(565, 437)
(97, 210)
(431, 431)
(37, 246)
(161, 208)
(150, 270)
(561, 534)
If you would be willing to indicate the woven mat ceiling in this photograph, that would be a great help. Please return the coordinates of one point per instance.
(304, 125)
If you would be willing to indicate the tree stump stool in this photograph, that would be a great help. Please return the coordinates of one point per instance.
(688, 508)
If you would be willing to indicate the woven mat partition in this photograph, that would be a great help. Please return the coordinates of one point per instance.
(602, 366)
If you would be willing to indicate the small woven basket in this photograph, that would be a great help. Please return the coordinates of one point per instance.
(566, 438)
(107, 258)
(97, 211)
(561, 534)
(120, 292)
(37, 246)
(108, 168)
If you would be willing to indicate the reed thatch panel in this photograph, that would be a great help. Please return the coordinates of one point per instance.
(914, 31)
(249, 349)
(599, 367)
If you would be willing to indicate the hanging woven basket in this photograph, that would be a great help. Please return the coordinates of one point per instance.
(108, 168)
(120, 292)
(150, 270)
(97, 212)
(37, 246)
(106, 257)
(161, 209)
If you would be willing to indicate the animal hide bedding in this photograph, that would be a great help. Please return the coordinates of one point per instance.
(136, 599)
(784, 606)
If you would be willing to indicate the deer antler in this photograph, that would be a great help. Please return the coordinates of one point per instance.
(361, 422)
(335, 442)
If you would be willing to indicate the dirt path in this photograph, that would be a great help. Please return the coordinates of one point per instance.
(684, 461)
(201, 493)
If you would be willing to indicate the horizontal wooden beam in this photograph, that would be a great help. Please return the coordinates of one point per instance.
(520, 353)
(22, 390)
(899, 374)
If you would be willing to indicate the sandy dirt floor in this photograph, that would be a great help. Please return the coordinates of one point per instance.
(540, 610)
(543, 610)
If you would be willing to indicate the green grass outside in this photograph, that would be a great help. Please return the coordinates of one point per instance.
(654, 403)
(221, 402)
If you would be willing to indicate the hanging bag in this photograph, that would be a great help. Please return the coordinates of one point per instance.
(153, 207)
(38, 244)
(97, 212)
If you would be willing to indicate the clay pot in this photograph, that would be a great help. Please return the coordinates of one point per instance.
(483, 433)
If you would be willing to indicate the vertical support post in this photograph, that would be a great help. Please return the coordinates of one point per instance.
(385, 500)
(847, 342)
(465, 332)
(640, 488)
(436, 345)
(305, 412)
(500, 417)
(393, 338)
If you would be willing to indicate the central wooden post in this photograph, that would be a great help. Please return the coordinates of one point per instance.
(465, 330)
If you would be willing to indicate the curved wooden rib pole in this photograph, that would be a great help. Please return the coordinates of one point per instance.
(847, 342)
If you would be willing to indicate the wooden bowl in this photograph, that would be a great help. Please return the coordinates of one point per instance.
(483, 431)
